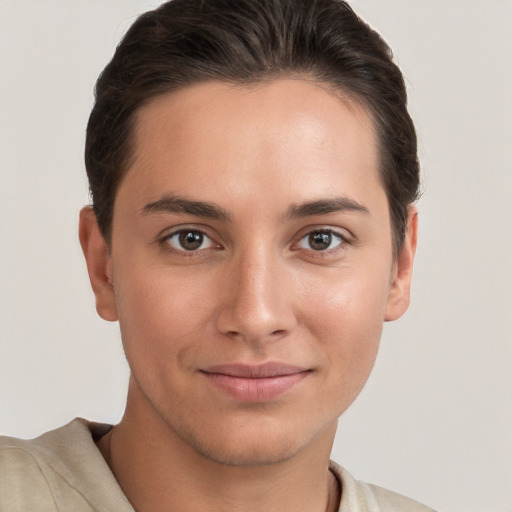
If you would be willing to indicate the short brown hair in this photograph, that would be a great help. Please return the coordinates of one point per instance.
(185, 42)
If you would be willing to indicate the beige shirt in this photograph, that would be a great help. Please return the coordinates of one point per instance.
(63, 471)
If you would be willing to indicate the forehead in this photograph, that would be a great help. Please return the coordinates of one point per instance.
(283, 130)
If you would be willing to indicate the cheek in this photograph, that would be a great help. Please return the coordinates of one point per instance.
(346, 317)
(348, 300)
(159, 313)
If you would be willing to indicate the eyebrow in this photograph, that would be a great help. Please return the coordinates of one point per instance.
(325, 206)
(177, 204)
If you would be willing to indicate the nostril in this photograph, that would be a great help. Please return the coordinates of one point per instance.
(273, 334)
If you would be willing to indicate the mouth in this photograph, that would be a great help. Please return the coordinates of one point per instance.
(260, 383)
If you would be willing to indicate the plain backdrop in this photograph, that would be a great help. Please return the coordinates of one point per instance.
(435, 420)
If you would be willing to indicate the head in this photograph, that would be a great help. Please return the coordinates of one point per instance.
(252, 166)
(186, 42)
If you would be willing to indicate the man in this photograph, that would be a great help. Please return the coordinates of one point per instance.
(253, 169)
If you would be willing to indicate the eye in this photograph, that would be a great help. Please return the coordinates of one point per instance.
(189, 240)
(321, 240)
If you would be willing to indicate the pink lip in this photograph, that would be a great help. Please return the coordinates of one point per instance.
(260, 383)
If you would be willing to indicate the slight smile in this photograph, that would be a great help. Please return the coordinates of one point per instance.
(260, 383)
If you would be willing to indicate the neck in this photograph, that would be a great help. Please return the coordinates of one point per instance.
(158, 471)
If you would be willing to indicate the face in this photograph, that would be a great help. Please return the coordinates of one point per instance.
(251, 266)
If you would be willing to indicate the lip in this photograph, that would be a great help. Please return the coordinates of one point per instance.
(259, 383)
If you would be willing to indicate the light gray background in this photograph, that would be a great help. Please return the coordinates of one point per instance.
(435, 420)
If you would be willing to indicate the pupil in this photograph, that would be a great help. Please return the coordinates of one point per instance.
(320, 241)
(191, 240)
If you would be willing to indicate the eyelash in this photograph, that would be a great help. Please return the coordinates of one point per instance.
(183, 252)
(342, 240)
(166, 240)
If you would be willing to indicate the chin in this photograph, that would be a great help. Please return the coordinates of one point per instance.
(244, 453)
(255, 445)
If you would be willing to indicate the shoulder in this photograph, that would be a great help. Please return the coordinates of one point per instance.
(359, 496)
(22, 483)
(55, 449)
(60, 470)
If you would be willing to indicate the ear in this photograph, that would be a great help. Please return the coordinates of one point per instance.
(399, 293)
(99, 264)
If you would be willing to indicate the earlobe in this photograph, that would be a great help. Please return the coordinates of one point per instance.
(99, 264)
(399, 294)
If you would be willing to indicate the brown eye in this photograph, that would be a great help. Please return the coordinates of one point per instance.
(321, 240)
(189, 240)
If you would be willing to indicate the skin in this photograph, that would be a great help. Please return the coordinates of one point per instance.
(255, 290)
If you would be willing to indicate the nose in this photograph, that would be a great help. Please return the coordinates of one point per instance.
(257, 304)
